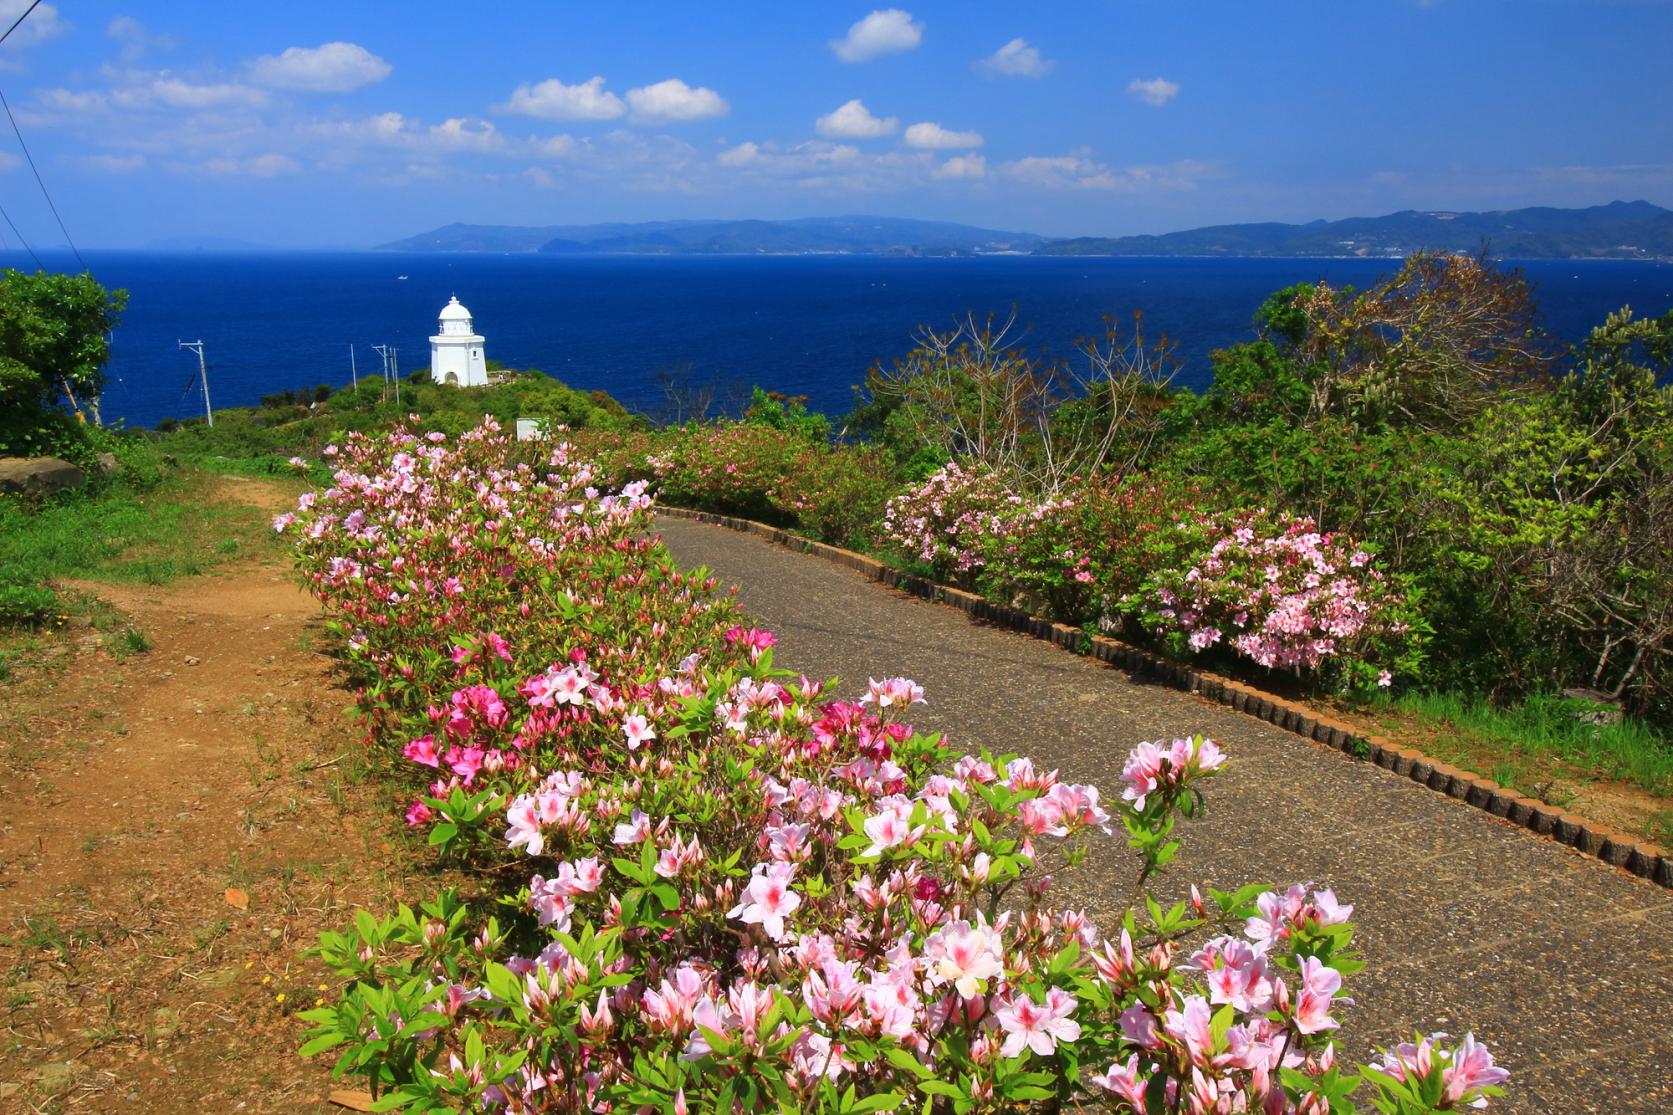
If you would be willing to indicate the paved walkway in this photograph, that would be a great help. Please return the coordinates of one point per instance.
(1563, 964)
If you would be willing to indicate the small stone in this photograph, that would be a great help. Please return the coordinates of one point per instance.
(191, 661)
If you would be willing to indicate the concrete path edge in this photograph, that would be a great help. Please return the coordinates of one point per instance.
(1618, 849)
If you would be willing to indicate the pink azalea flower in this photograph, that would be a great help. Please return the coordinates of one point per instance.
(768, 899)
(1471, 1069)
(422, 750)
(1192, 1028)
(1037, 1026)
(1125, 1083)
(638, 731)
(1139, 1026)
(1319, 986)
(965, 956)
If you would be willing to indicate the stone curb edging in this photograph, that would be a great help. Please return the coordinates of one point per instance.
(1617, 849)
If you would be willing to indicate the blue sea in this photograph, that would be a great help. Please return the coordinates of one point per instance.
(807, 325)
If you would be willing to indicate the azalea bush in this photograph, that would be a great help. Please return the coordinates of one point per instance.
(945, 521)
(1076, 556)
(835, 493)
(1278, 591)
(443, 564)
(708, 884)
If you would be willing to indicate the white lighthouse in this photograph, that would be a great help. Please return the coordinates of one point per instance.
(456, 355)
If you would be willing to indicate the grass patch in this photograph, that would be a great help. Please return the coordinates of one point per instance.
(1524, 741)
(178, 528)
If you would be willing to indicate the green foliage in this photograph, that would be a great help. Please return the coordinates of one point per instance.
(1253, 383)
(1544, 726)
(125, 532)
(24, 605)
(261, 440)
(788, 414)
(53, 350)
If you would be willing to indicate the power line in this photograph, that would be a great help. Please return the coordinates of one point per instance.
(19, 21)
(41, 183)
(21, 239)
(16, 23)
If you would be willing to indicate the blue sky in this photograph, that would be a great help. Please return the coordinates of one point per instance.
(306, 124)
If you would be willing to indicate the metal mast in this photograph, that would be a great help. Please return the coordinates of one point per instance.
(203, 378)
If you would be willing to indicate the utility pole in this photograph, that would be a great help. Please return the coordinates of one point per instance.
(383, 351)
(354, 377)
(203, 377)
(395, 359)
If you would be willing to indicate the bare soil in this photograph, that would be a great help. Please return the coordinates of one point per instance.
(176, 826)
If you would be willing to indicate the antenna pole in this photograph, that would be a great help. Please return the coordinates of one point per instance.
(203, 378)
(383, 351)
(395, 359)
(354, 377)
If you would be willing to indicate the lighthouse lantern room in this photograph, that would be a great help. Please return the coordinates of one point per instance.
(456, 353)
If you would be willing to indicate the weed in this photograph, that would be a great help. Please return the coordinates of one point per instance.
(209, 934)
(1660, 826)
(44, 934)
(1546, 726)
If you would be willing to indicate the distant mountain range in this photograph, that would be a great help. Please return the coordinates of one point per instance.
(1619, 230)
(808, 236)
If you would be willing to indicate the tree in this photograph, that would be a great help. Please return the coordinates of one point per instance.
(1428, 347)
(1572, 498)
(53, 330)
(974, 393)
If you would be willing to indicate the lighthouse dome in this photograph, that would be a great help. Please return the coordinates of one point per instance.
(453, 311)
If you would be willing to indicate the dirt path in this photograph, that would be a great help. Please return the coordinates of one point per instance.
(174, 826)
(1563, 964)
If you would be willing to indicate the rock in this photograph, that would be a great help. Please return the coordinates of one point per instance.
(38, 476)
(1604, 708)
(107, 463)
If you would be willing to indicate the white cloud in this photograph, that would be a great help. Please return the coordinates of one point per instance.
(553, 100)
(854, 121)
(887, 31)
(1015, 59)
(673, 101)
(933, 137)
(1061, 172)
(1079, 171)
(392, 129)
(963, 166)
(1156, 92)
(559, 147)
(176, 93)
(75, 102)
(329, 68)
(43, 23)
(136, 39)
(8, 161)
(460, 134)
(258, 166)
(741, 155)
(113, 164)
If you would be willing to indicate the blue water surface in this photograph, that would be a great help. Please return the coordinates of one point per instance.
(808, 325)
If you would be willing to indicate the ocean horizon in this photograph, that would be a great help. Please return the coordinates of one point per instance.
(801, 324)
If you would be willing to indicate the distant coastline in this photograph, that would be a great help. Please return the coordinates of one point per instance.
(1621, 230)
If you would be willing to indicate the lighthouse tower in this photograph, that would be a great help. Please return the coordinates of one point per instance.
(456, 356)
